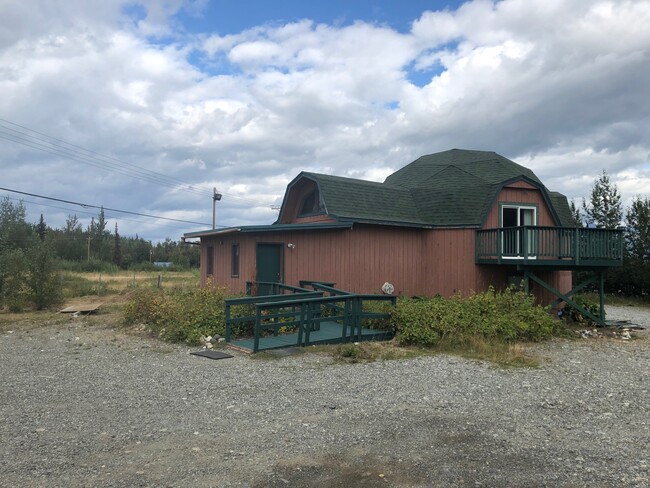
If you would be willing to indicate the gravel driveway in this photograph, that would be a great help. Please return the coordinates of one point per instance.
(84, 405)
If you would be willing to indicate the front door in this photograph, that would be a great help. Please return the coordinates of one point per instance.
(269, 266)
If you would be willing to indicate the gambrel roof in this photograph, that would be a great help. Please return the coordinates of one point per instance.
(452, 188)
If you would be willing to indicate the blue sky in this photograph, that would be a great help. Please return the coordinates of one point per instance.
(175, 97)
(231, 16)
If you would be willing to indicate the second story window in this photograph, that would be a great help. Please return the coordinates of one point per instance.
(312, 205)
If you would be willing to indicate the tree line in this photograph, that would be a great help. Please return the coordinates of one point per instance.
(604, 209)
(31, 254)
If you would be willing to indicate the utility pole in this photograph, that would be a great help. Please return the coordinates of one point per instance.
(89, 239)
(215, 198)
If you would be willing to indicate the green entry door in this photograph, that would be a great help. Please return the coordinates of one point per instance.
(269, 266)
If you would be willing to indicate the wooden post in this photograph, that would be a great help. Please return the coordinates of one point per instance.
(256, 341)
(601, 295)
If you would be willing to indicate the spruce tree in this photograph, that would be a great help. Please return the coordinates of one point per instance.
(41, 228)
(604, 209)
(117, 248)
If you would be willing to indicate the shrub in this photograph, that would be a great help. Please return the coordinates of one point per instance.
(179, 315)
(506, 316)
(43, 278)
(88, 266)
(571, 313)
(14, 292)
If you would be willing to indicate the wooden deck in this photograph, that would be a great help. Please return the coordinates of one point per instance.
(329, 333)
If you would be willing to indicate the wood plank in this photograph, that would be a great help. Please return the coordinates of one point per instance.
(82, 308)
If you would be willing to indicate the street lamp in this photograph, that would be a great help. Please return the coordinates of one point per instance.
(215, 198)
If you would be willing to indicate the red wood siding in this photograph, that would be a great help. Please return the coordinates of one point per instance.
(415, 261)
(521, 184)
(361, 259)
(524, 196)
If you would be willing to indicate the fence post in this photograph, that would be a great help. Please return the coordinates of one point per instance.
(227, 322)
(256, 341)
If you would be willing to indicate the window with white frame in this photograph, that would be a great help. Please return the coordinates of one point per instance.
(512, 218)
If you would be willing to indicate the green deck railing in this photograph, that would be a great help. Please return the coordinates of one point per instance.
(304, 311)
(547, 246)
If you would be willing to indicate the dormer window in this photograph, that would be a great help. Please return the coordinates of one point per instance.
(312, 205)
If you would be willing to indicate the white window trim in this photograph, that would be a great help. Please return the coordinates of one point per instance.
(519, 224)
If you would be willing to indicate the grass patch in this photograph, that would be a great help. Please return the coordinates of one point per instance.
(495, 352)
(79, 284)
(507, 355)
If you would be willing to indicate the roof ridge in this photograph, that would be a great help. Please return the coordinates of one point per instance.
(355, 180)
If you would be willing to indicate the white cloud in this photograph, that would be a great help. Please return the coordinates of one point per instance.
(558, 86)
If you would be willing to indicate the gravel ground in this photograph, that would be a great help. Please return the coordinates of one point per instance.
(84, 405)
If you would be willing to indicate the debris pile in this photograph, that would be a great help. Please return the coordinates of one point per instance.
(208, 342)
(623, 334)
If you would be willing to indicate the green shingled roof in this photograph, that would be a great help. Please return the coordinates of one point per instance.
(451, 188)
(359, 199)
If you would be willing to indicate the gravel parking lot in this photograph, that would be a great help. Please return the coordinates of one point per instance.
(82, 404)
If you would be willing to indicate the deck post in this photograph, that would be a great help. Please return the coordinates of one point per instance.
(346, 318)
(358, 319)
(309, 321)
(576, 246)
(256, 341)
(563, 297)
(301, 323)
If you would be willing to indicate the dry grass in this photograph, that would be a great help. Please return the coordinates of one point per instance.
(76, 284)
(498, 353)
(502, 354)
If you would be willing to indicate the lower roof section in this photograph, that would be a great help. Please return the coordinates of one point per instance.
(269, 228)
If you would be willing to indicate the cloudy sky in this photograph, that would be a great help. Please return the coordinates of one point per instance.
(147, 105)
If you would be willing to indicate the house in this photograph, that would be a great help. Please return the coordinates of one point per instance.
(454, 221)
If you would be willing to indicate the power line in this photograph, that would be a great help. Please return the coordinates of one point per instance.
(88, 205)
(44, 142)
(89, 213)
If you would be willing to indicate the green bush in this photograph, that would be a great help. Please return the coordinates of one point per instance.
(574, 315)
(506, 316)
(14, 291)
(43, 278)
(29, 278)
(179, 315)
(88, 266)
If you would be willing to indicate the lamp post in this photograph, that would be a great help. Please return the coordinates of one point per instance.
(215, 198)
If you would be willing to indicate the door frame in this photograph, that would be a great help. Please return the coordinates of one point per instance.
(518, 239)
(280, 245)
